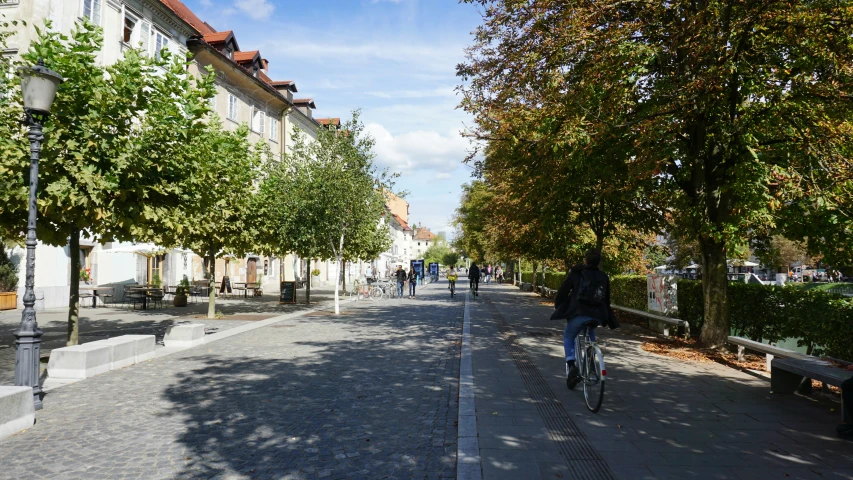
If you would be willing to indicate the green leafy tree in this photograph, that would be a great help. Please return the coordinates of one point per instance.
(436, 253)
(731, 106)
(215, 214)
(326, 198)
(97, 175)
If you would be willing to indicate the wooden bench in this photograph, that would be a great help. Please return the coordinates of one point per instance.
(770, 351)
(667, 321)
(789, 375)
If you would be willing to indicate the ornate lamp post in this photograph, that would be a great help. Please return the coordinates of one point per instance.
(38, 86)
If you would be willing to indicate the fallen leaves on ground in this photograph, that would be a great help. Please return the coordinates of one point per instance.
(691, 351)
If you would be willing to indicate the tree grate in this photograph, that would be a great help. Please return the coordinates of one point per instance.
(580, 456)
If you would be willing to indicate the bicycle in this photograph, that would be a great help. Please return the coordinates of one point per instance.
(452, 279)
(592, 372)
(475, 286)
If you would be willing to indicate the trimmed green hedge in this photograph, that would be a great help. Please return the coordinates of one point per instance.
(629, 291)
(549, 279)
(823, 322)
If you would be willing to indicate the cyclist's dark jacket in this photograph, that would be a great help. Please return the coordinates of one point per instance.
(474, 273)
(566, 302)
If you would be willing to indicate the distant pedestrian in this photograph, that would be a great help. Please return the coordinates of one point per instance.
(369, 272)
(499, 274)
(413, 281)
(400, 274)
(489, 274)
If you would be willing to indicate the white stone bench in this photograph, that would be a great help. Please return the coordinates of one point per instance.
(186, 335)
(143, 346)
(17, 410)
(80, 361)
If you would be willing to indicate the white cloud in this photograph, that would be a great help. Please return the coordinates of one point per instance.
(432, 92)
(257, 9)
(418, 150)
(442, 175)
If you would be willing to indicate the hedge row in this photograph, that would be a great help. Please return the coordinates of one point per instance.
(549, 279)
(629, 291)
(823, 322)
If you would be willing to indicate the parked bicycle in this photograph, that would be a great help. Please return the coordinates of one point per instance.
(590, 362)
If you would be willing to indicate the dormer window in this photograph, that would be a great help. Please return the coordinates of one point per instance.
(255, 70)
(228, 53)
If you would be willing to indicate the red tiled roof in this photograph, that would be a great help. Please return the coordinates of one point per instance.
(264, 78)
(424, 234)
(188, 16)
(401, 221)
(217, 37)
(245, 56)
(327, 121)
(282, 83)
(304, 101)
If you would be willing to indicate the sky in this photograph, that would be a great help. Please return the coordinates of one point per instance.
(393, 59)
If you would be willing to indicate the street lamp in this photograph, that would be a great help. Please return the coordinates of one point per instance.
(38, 88)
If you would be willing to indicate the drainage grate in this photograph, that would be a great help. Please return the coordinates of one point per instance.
(580, 456)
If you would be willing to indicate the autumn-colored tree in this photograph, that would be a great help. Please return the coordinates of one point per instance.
(729, 105)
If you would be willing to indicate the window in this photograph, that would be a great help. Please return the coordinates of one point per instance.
(232, 107)
(144, 33)
(92, 10)
(161, 41)
(213, 103)
(130, 22)
(85, 257)
(155, 269)
(273, 129)
(228, 53)
(258, 120)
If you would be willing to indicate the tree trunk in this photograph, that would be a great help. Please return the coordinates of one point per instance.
(534, 275)
(211, 290)
(74, 290)
(343, 279)
(715, 328)
(339, 265)
(599, 241)
(308, 283)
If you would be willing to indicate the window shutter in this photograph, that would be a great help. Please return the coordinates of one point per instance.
(96, 12)
(145, 36)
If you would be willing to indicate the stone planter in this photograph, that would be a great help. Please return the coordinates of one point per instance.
(180, 301)
(8, 300)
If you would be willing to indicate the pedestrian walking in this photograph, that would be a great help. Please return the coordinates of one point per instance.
(413, 281)
(489, 274)
(401, 280)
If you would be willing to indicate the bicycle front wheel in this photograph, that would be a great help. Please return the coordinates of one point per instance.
(593, 380)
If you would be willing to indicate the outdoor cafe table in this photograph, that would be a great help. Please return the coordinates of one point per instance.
(246, 286)
(95, 290)
(146, 293)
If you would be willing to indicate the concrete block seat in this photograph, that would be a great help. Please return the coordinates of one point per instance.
(184, 335)
(789, 375)
(17, 410)
(80, 361)
(125, 350)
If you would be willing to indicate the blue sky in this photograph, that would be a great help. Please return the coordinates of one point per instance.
(394, 59)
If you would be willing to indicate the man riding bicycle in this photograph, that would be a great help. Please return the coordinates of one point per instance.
(474, 278)
(583, 298)
(451, 279)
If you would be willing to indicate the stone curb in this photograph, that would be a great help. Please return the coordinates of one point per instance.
(468, 444)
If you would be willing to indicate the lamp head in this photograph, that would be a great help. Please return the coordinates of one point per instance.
(38, 87)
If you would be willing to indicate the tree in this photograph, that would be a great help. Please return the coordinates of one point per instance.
(326, 198)
(728, 105)
(97, 175)
(218, 190)
(436, 253)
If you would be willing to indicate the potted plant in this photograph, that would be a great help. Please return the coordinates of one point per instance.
(181, 293)
(8, 281)
(86, 275)
(315, 272)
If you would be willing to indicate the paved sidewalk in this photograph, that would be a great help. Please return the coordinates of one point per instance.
(662, 418)
(107, 322)
(371, 393)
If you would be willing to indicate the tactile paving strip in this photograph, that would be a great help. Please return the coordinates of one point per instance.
(580, 456)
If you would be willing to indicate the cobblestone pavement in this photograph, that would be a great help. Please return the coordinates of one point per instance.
(371, 393)
(100, 323)
(661, 419)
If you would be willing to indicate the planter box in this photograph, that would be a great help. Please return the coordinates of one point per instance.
(8, 300)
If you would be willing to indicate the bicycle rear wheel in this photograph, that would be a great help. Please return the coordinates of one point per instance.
(593, 378)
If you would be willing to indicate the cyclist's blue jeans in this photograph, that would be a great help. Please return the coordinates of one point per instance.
(573, 328)
(400, 289)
